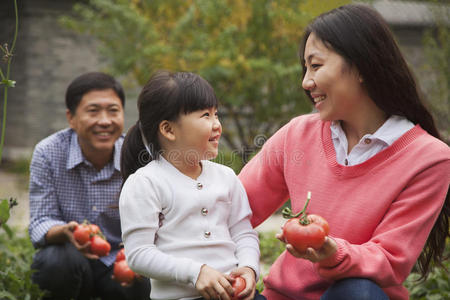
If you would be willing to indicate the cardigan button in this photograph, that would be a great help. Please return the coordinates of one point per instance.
(207, 234)
(199, 185)
(204, 211)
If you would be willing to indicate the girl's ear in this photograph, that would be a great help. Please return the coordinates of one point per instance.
(166, 129)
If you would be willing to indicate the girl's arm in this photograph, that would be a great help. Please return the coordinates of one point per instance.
(241, 230)
(139, 214)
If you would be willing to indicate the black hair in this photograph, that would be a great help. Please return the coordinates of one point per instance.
(165, 96)
(90, 82)
(362, 37)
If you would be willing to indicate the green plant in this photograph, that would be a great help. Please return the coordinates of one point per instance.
(5, 80)
(19, 166)
(270, 248)
(16, 253)
(437, 284)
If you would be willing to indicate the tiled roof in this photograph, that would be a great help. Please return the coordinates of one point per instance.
(412, 13)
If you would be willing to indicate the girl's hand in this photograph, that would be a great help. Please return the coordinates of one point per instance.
(327, 250)
(250, 282)
(212, 284)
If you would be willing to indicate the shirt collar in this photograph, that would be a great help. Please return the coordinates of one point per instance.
(389, 132)
(392, 129)
(76, 157)
(117, 147)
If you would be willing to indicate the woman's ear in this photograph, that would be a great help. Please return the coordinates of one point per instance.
(166, 130)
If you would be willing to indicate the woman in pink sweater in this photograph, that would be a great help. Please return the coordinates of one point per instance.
(372, 159)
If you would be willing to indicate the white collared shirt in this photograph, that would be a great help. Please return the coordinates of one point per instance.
(370, 144)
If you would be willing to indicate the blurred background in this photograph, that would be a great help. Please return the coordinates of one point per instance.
(247, 50)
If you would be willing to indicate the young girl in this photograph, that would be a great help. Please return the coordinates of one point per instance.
(185, 220)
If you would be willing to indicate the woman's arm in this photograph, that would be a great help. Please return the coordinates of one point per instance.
(263, 178)
(398, 240)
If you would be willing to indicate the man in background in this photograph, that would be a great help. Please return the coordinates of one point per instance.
(75, 176)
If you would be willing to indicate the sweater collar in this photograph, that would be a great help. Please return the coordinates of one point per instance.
(355, 170)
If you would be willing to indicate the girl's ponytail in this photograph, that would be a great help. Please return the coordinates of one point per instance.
(134, 155)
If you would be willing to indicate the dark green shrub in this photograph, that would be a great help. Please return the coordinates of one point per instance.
(16, 253)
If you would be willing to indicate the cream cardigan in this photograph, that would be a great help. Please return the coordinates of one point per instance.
(173, 224)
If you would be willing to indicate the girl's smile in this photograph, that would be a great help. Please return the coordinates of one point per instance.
(198, 133)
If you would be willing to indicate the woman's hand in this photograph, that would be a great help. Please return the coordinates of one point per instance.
(212, 284)
(250, 282)
(327, 250)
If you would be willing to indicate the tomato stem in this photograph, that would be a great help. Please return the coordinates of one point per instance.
(287, 212)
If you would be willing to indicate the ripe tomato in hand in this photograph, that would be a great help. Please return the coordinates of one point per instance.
(120, 255)
(238, 286)
(122, 272)
(94, 229)
(99, 246)
(82, 234)
(311, 234)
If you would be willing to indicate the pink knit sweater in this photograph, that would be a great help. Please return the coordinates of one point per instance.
(380, 212)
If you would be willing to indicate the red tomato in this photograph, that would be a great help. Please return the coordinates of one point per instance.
(99, 246)
(120, 255)
(238, 286)
(320, 221)
(309, 235)
(82, 234)
(94, 229)
(122, 272)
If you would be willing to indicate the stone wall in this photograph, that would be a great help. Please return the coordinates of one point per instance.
(48, 57)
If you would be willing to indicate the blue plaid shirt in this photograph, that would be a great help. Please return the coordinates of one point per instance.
(65, 187)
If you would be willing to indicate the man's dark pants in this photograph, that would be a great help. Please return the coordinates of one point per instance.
(67, 274)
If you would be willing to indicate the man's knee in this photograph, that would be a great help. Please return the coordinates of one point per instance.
(59, 268)
(62, 259)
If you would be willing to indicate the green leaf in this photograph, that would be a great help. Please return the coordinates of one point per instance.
(7, 295)
(8, 230)
(4, 211)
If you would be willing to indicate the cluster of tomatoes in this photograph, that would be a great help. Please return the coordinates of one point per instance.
(86, 232)
(122, 272)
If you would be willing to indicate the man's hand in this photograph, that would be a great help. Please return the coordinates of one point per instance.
(249, 276)
(60, 234)
(327, 250)
(212, 284)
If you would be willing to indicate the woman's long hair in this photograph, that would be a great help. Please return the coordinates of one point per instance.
(165, 96)
(362, 37)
